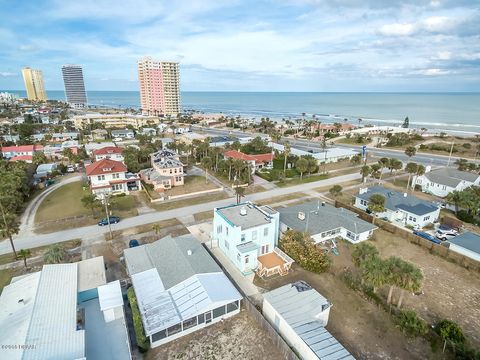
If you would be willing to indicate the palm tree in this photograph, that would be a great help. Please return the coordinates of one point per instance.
(91, 202)
(393, 268)
(410, 168)
(286, 152)
(301, 165)
(364, 171)
(239, 192)
(55, 254)
(410, 151)
(24, 254)
(356, 159)
(363, 252)
(410, 279)
(384, 163)
(229, 162)
(455, 198)
(374, 272)
(376, 204)
(375, 169)
(420, 171)
(394, 165)
(206, 164)
(156, 228)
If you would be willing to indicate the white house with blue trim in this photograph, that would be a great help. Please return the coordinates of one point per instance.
(244, 232)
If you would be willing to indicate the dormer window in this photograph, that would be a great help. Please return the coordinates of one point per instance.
(107, 169)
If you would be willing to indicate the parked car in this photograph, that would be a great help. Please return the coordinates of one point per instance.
(70, 168)
(446, 234)
(133, 243)
(113, 220)
(427, 236)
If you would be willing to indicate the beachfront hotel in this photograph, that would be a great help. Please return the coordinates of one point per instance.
(74, 86)
(34, 86)
(159, 86)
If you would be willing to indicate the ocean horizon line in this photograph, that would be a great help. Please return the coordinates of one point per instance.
(277, 92)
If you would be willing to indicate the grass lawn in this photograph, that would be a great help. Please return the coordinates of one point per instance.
(305, 180)
(193, 183)
(204, 215)
(351, 141)
(6, 276)
(281, 198)
(63, 202)
(187, 202)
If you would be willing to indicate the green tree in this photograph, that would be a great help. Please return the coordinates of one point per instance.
(301, 165)
(39, 158)
(394, 269)
(206, 164)
(24, 254)
(239, 193)
(383, 163)
(410, 151)
(8, 225)
(410, 324)
(286, 152)
(449, 331)
(374, 272)
(364, 171)
(312, 164)
(55, 254)
(410, 279)
(156, 228)
(91, 202)
(336, 190)
(406, 123)
(411, 168)
(356, 159)
(376, 204)
(362, 252)
(68, 153)
(394, 165)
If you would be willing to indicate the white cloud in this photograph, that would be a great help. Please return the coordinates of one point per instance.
(433, 72)
(7, 74)
(397, 29)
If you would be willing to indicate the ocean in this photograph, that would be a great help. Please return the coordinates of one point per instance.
(458, 112)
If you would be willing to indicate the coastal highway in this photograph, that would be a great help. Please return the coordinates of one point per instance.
(303, 144)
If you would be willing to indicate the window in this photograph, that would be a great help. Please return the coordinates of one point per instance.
(226, 230)
(426, 218)
(218, 312)
(219, 229)
(247, 259)
(242, 238)
(363, 202)
(254, 235)
(101, 177)
(187, 324)
(159, 335)
(444, 187)
(265, 231)
(238, 257)
(227, 246)
(116, 176)
(175, 329)
(201, 318)
(232, 306)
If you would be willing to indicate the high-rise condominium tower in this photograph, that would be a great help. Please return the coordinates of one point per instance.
(159, 86)
(74, 86)
(34, 84)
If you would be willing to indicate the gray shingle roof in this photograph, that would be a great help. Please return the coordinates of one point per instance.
(467, 240)
(170, 257)
(322, 218)
(395, 200)
(450, 177)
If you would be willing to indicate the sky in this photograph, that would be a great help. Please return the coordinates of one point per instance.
(252, 45)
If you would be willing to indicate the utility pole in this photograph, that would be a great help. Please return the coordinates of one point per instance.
(107, 212)
(450, 156)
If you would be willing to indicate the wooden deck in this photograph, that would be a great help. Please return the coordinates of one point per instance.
(271, 260)
(276, 262)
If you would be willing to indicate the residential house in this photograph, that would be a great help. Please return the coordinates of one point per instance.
(299, 314)
(9, 152)
(443, 181)
(400, 208)
(221, 141)
(64, 311)
(43, 170)
(329, 155)
(166, 171)
(165, 141)
(110, 176)
(467, 244)
(248, 236)
(99, 134)
(91, 147)
(324, 222)
(256, 162)
(179, 288)
(123, 134)
(109, 152)
(114, 120)
(148, 131)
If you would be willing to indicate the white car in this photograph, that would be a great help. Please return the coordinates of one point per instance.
(446, 234)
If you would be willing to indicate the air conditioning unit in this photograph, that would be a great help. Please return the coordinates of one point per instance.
(301, 215)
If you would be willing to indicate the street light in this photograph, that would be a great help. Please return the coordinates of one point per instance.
(105, 199)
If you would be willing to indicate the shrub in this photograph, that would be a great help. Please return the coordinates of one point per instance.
(410, 324)
(467, 145)
(142, 340)
(423, 147)
(465, 216)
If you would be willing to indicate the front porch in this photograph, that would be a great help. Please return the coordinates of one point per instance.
(276, 262)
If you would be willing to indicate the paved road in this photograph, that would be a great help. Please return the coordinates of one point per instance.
(88, 232)
(426, 159)
(27, 221)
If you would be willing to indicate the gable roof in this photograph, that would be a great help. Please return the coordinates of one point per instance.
(450, 177)
(395, 200)
(234, 154)
(321, 218)
(171, 253)
(108, 150)
(22, 158)
(105, 166)
(22, 148)
(467, 240)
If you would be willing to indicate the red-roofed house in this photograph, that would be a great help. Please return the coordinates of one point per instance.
(27, 158)
(110, 176)
(109, 152)
(9, 152)
(257, 162)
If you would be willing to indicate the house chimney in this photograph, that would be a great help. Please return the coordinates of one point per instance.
(301, 215)
(189, 252)
(243, 211)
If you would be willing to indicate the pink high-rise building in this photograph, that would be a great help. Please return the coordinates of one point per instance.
(159, 87)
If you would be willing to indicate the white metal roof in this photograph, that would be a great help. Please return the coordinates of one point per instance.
(15, 315)
(110, 295)
(91, 273)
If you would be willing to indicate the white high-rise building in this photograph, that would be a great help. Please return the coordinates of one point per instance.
(159, 86)
(74, 86)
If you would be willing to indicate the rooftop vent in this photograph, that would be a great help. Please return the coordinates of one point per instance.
(323, 203)
(243, 211)
(404, 194)
(189, 252)
(301, 215)
(363, 190)
(21, 301)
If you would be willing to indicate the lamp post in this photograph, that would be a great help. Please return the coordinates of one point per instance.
(106, 197)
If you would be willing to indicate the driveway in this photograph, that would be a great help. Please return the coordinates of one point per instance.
(27, 221)
(23, 241)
